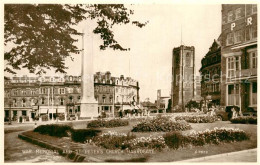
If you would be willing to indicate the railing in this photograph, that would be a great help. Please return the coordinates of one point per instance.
(246, 73)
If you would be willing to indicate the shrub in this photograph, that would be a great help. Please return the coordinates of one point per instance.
(244, 120)
(53, 130)
(81, 135)
(216, 136)
(107, 123)
(160, 124)
(157, 143)
(175, 140)
(113, 140)
(197, 119)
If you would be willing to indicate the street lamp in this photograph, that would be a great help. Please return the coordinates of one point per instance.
(10, 118)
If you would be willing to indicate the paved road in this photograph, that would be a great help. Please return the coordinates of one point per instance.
(17, 150)
(239, 156)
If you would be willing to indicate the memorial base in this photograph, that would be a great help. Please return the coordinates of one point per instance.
(89, 110)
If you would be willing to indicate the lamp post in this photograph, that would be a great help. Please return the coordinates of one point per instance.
(10, 118)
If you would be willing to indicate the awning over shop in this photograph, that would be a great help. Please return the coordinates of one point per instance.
(127, 107)
(52, 110)
(43, 110)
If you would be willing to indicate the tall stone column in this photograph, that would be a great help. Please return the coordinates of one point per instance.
(89, 106)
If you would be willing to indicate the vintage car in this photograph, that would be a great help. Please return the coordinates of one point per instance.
(225, 113)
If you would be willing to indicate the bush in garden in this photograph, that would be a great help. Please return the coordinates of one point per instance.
(81, 135)
(113, 140)
(197, 119)
(160, 124)
(244, 120)
(175, 140)
(53, 130)
(216, 136)
(156, 143)
(107, 123)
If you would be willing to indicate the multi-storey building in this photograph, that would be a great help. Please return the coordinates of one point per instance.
(210, 74)
(33, 96)
(239, 55)
(182, 75)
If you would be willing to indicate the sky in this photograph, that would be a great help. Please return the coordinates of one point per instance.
(149, 60)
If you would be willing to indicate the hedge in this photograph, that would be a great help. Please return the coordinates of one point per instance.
(107, 123)
(54, 130)
(244, 120)
(81, 135)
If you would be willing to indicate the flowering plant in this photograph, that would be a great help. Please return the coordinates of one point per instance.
(150, 142)
(197, 119)
(112, 140)
(161, 124)
(217, 135)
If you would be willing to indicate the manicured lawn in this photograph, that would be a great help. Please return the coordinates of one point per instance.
(163, 156)
(188, 153)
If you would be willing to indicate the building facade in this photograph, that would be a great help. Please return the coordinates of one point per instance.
(210, 74)
(182, 75)
(52, 96)
(239, 56)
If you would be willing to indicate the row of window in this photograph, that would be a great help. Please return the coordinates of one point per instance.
(103, 89)
(210, 60)
(211, 74)
(234, 63)
(233, 94)
(237, 14)
(24, 92)
(213, 87)
(51, 90)
(241, 35)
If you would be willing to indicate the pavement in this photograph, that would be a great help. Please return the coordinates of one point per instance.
(239, 156)
(17, 150)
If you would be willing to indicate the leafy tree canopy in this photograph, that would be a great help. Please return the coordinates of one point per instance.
(41, 35)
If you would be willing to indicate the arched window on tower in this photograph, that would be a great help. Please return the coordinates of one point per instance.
(188, 59)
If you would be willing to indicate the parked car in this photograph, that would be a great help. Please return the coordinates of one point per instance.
(72, 117)
(250, 111)
(224, 113)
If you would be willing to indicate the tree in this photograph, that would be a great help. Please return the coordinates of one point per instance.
(169, 108)
(41, 35)
(192, 104)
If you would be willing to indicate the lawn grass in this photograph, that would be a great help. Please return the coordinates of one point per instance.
(165, 155)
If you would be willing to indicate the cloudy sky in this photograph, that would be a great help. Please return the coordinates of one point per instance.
(150, 55)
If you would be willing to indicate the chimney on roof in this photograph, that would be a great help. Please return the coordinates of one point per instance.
(108, 75)
(121, 77)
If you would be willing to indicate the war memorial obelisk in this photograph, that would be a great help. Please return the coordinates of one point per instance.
(88, 106)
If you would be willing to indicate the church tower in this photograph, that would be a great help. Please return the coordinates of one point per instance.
(183, 72)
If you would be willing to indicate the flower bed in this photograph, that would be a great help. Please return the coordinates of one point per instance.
(244, 120)
(197, 119)
(81, 135)
(217, 136)
(151, 142)
(161, 124)
(54, 130)
(112, 140)
(107, 123)
(176, 140)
